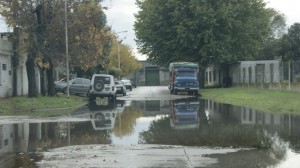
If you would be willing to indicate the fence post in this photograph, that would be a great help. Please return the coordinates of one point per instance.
(289, 75)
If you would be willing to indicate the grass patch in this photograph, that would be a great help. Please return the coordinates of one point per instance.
(40, 106)
(266, 100)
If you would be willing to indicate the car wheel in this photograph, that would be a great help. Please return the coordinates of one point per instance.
(124, 93)
(99, 85)
(130, 88)
(65, 90)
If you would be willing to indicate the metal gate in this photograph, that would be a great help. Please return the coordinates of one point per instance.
(152, 76)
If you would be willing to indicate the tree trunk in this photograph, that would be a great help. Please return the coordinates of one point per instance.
(32, 88)
(42, 79)
(50, 77)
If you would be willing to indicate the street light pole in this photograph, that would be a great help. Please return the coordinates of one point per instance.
(119, 42)
(119, 62)
(67, 47)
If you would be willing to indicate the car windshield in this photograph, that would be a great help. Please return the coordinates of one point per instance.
(126, 81)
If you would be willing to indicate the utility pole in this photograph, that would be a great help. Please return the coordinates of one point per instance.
(67, 48)
(119, 42)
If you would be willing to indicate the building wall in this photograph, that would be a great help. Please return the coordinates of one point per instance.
(6, 52)
(257, 71)
(139, 76)
(265, 74)
(250, 72)
(214, 75)
(7, 71)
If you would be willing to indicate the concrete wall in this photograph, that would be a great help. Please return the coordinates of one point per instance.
(255, 71)
(6, 53)
(250, 72)
(7, 70)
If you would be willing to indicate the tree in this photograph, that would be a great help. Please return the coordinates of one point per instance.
(220, 31)
(288, 44)
(277, 29)
(128, 62)
(43, 23)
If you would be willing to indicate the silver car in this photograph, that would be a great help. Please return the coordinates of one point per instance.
(121, 89)
(61, 85)
(78, 86)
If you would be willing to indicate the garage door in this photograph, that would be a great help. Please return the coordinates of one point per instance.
(152, 76)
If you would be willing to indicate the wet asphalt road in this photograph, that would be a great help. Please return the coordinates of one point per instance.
(152, 93)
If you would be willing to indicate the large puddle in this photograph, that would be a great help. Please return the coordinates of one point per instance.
(272, 140)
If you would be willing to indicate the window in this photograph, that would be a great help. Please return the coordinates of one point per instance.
(271, 73)
(78, 81)
(250, 74)
(244, 75)
(4, 67)
(87, 82)
(214, 75)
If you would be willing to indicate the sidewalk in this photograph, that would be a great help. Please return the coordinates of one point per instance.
(137, 156)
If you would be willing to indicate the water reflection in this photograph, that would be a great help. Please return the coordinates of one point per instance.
(184, 113)
(219, 125)
(189, 122)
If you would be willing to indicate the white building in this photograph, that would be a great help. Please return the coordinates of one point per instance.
(6, 52)
(267, 74)
(13, 79)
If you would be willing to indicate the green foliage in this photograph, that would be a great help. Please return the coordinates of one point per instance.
(201, 31)
(116, 72)
(288, 44)
(128, 63)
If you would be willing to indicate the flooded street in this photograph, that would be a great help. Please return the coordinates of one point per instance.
(153, 129)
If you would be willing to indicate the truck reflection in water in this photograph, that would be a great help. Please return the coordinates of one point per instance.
(184, 113)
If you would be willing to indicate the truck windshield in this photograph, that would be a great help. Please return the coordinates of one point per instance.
(185, 74)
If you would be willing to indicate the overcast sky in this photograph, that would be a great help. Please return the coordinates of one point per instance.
(120, 16)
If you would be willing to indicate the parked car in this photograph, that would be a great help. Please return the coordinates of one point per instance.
(102, 85)
(121, 89)
(133, 83)
(62, 84)
(79, 86)
(127, 84)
